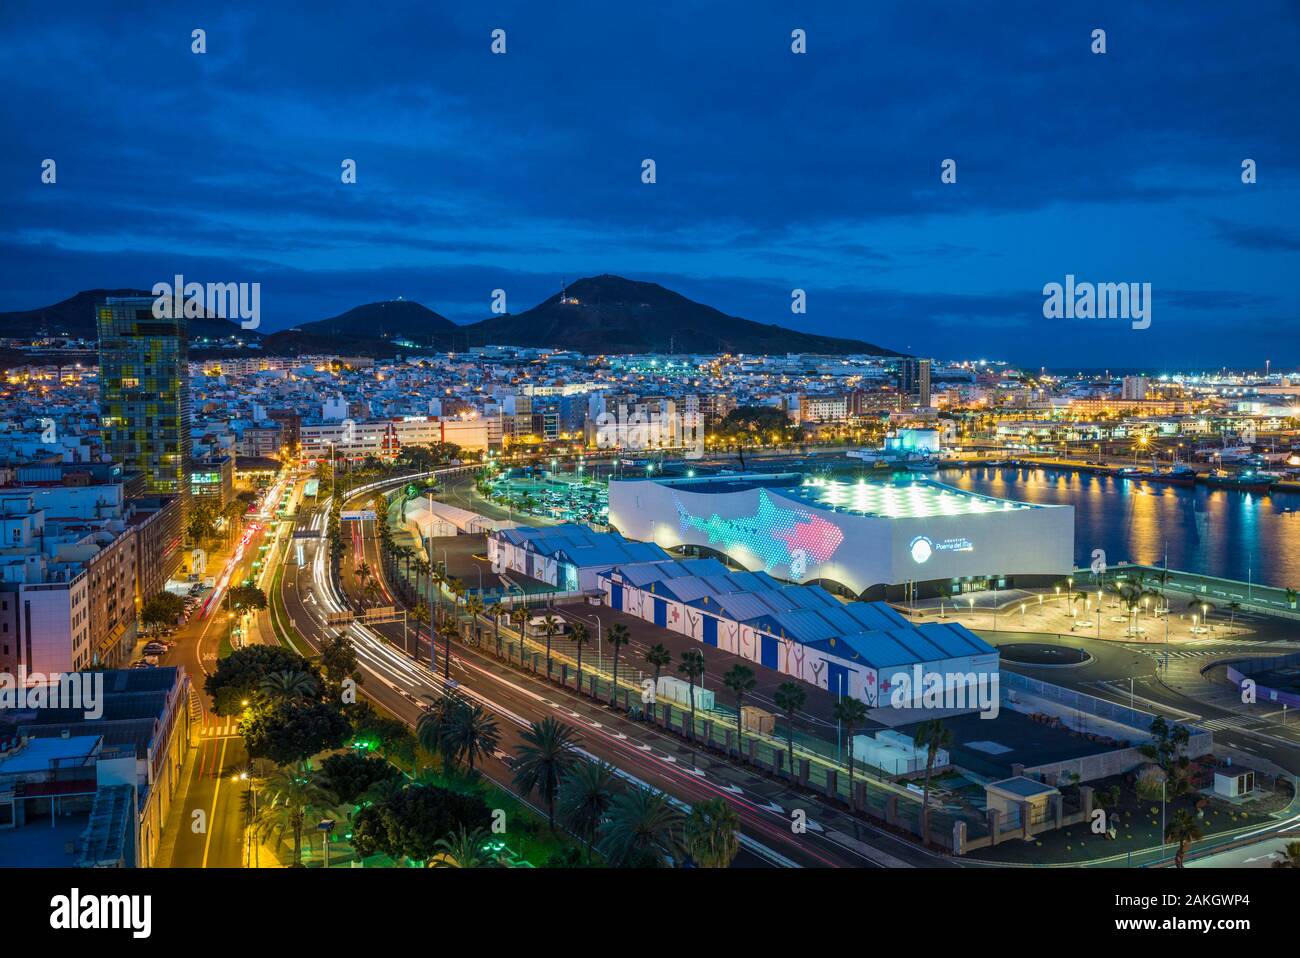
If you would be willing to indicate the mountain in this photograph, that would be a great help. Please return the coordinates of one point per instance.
(367, 330)
(610, 314)
(599, 315)
(75, 318)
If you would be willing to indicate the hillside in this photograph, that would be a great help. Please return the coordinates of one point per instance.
(599, 315)
(75, 317)
(616, 315)
(367, 330)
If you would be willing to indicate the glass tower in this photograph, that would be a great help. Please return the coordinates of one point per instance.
(914, 379)
(144, 399)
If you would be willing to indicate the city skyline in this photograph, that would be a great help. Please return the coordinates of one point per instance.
(611, 439)
(774, 170)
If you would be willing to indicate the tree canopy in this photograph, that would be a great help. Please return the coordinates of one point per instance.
(410, 823)
(290, 731)
(239, 676)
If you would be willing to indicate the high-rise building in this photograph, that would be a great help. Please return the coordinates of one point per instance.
(914, 379)
(144, 402)
(1134, 387)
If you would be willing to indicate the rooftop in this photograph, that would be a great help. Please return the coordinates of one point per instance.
(42, 754)
(918, 499)
(1023, 787)
(580, 546)
(870, 632)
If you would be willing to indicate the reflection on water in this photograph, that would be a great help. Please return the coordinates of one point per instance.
(1211, 531)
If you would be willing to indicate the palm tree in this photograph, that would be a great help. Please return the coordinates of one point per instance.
(544, 759)
(642, 829)
(289, 796)
(713, 833)
(457, 589)
(433, 728)
(584, 798)
(1233, 608)
(850, 712)
(420, 615)
(448, 631)
(364, 573)
(473, 733)
(519, 616)
(437, 576)
(288, 685)
(404, 554)
(550, 626)
(580, 638)
(790, 697)
(933, 736)
(1290, 856)
(1183, 829)
(693, 667)
(740, 679)
(421, 565)
(658, 656)
(462, 849)
(619, 636)
(474, 607)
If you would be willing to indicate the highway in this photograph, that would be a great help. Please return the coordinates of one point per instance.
(207, 777)
(643, 754)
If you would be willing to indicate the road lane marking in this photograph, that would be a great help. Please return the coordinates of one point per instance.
(212, 818)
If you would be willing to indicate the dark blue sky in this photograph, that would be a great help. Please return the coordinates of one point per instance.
(775, 171)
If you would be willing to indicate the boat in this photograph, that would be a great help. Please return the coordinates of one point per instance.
(1179, 476)
(922, 465)
(1242, 482)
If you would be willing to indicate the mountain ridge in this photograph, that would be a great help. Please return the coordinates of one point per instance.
(610, 314)
(597, 315)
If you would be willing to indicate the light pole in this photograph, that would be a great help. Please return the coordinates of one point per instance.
(253, 851)
(1162, 821)
(600, 661)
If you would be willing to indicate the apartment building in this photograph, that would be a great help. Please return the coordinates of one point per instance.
(384, 438)
(96, 792)
(44, 601)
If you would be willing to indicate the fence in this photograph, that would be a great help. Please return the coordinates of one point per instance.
(716, 731)
(1091, 767)
(1241, 671)
(1081, 701)
(1275, 601)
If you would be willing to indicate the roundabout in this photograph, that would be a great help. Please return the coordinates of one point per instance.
(1043, 655)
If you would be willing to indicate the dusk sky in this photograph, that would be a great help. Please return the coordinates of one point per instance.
(774, 170)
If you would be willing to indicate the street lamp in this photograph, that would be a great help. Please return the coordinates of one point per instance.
(253, 851)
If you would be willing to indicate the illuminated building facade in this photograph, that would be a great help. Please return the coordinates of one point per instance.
(144, 402)
(866, 539)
